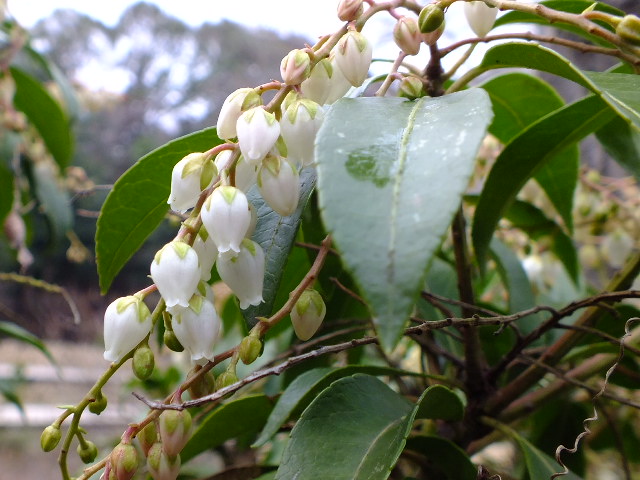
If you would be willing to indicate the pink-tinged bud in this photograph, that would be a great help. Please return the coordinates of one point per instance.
(433, 37)
(407, 35)
(279, 184)
(147, 437)
(197, 328)
(239, 101)
(124, 461)
(307, 314)
(480, 17)
(207, 252)
(295, 67)
(258, 131)
(175, 430)
(244, 274)
(160, 465)
(189, 178)
(88, 452)
(318, 85)
(349, 10)
(176, 272)
(50, 438)
(353, 55)
(143, 362)
(226, 216)
(299, 125)
(127, 321)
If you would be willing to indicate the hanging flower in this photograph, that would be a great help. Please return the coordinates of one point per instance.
(160, 465)
(319, 83)
(480, 17)
(258, 131)
(207, 252)
(299, 126)
(239, 101)
(279, 184)
(176, 272)
(226, 216)
(244, 274)
(189, 178)
(295, 67)
(127, 321)
(197, 328)
(353, 55)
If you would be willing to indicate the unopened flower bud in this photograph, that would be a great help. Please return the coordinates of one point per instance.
(124, 461)
(99, 404)
(50, 438)
(407, 35)
(226, 379)
(250, 349)
(295, 67)
(258, 131)
(433, 37)
(171, 341)
(147, 437)
(175, 430)
(205, 385)
(480, 17)
(629, 29)
(353, 55)
(430, 18)
(197, 328)
(279, 184)
(88, 452)
(226, 216)
(349, 10)
(244, 274)
(189, 178)
(175, 270)
(307, 314)
(411, 88)
(239, 101)
(143, 362)
(299, 126)
(318, 85)
(160, 465)
(127, 321)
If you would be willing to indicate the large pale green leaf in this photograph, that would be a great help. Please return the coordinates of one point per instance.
(138, 203)
(354, 430)
(525, 155)
(390, 172)
(54, 199)
(451, 462)
(238, 417)
(518, 101)
(276, 235)
(45, 114)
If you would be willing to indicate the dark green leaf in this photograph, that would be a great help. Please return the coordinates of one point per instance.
(45, 114)
(305, 387)
(237, 417)
(440, 402)
(138, 203)
(354, 430)
(451, 462)
(8, 389)
(276, 235)
(9, 329)
(524, 156)
(54, 199)
(622, 143)
(401, 167)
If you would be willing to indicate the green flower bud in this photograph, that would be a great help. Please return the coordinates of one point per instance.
(143, 362)
(307, 314)
(147, 437)
(124, 461)
(171, 341)
(50, 438)
(430, 18)
(411, 88)
(629, 29)
(295, 67)
(250, 349)
(175, 430)
(205, 385)
(225, 379)
(99, 404)
(88, 453)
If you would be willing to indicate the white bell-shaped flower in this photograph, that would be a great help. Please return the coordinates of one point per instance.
(279, 184)
(258, 131)
(244, 274)
(127, 321)
(353, 55)
(480, 17)
(246, 174)
(239, 101)
(226, 216)
(189, 178)
(176, 272)
(207, 252)
(197, 328)
(299, 126)
(307, 314)
(318, 85)
(339, 83)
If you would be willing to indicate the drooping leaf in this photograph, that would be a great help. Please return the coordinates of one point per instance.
(45, 114)
(230, 420)
(54, 199)
(401, 167)
(518, 101)
(9, 329)
(305, 387)
(525, 155)
(138, 203)
(451, 462)
(276, 235)
(622, 143)
(440, 402)
(354, 430)
(8, 389)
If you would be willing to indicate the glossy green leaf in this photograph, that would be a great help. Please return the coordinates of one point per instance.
(519, 100)
(54, 199)
(305, 387)
(354, 430)
(45, 114)
(11, 330)
(230, 420)
(450, 461)
(621, 91)
(525, 155)
(276, 235)
(401, 167)
(440, 402)
(138, 203)
(622, 143)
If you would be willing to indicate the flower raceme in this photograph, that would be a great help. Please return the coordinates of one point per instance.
(258, 131)
(127, 321)
(226, 216)
(189, 178)
(175, 270)
(244, 274)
